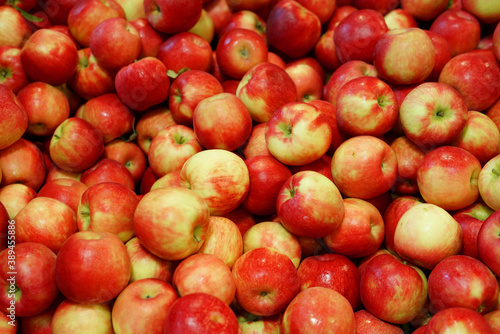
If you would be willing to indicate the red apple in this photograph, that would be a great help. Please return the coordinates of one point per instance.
(424, 10)
(150, 123)
(442, 51)
(108, 170)
(171, 179)
(245, 19)
(146, 265)
(72, 316)
(173, 16)
(14, 116)
(471, 219)
(242, 219)
(220, 12)
(307, 80)
(151, 39)
(488, 242)
(4, 226)
(15, 197)
(68, 191)
(367, 323)
(256, 143)
(409, 156)
(399, 18)
(322, 166)
(488, 183)
(12, 73)
(458, 318)
(14, 29)
(324, 51)
(128, 154)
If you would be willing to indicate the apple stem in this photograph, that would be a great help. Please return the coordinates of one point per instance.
(495, 172)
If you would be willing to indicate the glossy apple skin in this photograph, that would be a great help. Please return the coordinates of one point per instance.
(107, 170)
(15, 197)
(488, 183)
(331, 312)
(442, 54)
(409, 156)
(92, 267)
(150, 123)
(15, 30)
(248, 20)
(13, 75)
(146, 265)
(150, 38)
(173, 16)
(142, 306)
(392, 290)
(367, 323)
(322, 9)
(324, 51)
(128, 154)
(14, 115)
(424, 10)
(471, 219)
(256, 143)
(399, 18)
(465, 319)
(332, 271)
(72, 316)
(488, 242)
(68, 191)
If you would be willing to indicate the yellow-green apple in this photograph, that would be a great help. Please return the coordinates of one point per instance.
(322, 166)
(493, 319)
(92, 267)
(286, 24)
(4, 226)
(361, 158)
(267, 176)
(187, 90)
(108, 115)
(322, 9)
(171, 179)
(185, 50)
(393, 290)
(250, 323)
(49, 56)
(220, 177)
(14, 29)
(480, 137)
(392, 215)
(426, 234)
(307, 81)
(150, 123)
(352, 43)
(298, 133)
(84, 16)
(471, 219)
(367, 323)
(12, 73)
(171, 147)
(76, 145)
(399, 18)
(150, 38)
(246, 19)
(134, 9)
(173, 16)
(409, 156)
(486, 11)
(442, 51)
(448, 177)
(22, 162)
(90, 79)
(474, 75)
(344, 73)
(143, 83)
(462, 281)
(46, 106)
(488, 242)
(204, 27)
(265, 88)
(329, 109)
(298, 204)
(115, 43)
(318, 310)
(256, 143)
(395, 56)
(28, 289)
(146, 265)
(200, 312)
(488, 183)
(108, 207)
(142, 307)
(324, 51)
(220, 12)
(156, 222)
(222, 121)
(266, 281)
(332, 271)
(107, 170)
(274, 235)
(433, 114)
(424, 10)
(361, 231)
(242, 218)
(204, 273)
(72, 317)
(458, 319)
(55, 173)
(366, 106)
(238, 50)
(68, 191)
(461, 29)
(128, 154)
(14, 116)
(223, 239)
(15, 197)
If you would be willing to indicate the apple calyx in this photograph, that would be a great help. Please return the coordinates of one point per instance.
(5, 74)
(286, 129)
(382, 101)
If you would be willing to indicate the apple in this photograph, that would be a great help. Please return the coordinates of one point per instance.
(92, 267)
(366, 106)
(76, 317)
(426, 234)
(493, 319)
(28, 289)
(307, 80)
(14, 115)
(488, 185)
(12, 73)
(4, 226)
(409, 157)
(108, 170)
(275, 59)
(55, 173)
(424, 10)
(344, 8)
(173, 16)
(322, 166)
(204, 27)
(171, 179)
(496, 42)
(393, 290)
(150, 123)
(40, 322)
(442, 51)
(471, 219)
(219, 176)
(238, 50)
(462, 281)
(14, 29)
(249, 323)
(185, 50)
(68, 191)
(266, 281)
(324, 51)
(256, 143)
(15, 196)
(286, 24)
(367, 323)
(361, 158)
(448, 177)
(146, 265)
(433, 114)
(222, 121)
(143, 306)
(151, 39)
(245, 19)
(265, 88)
(318, 310)
(197, 312)
(129, 154)
(458, 318)
(242, 218)
(160, 210)
(220, 12)
(485, 11)
(171, 147)
(488, 242)
(134, 9)
(223, 239)
(383, 7)
(186, 92)
(399, 18)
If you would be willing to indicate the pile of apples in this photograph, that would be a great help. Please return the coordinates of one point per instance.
(250, 166)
